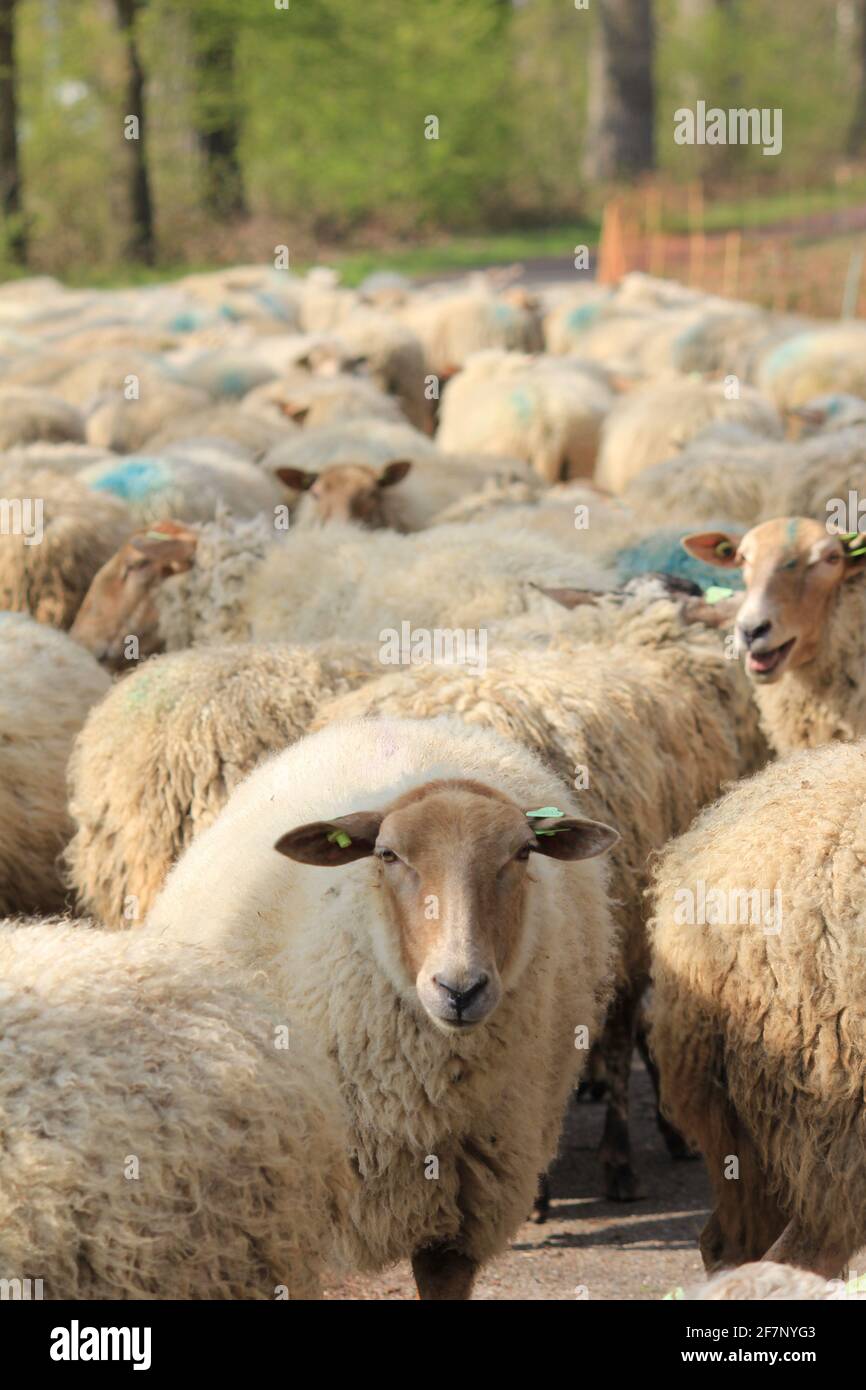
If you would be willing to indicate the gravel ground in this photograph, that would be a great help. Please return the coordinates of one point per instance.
(590, 1248)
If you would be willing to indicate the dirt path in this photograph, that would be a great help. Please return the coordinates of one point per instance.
(612, 1250)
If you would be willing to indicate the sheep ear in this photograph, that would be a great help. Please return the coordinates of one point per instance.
(394, 472)
(570, 837)
(172, 553)
(295, 412)
(570, 598)
(714, 548)
(296, 478)
(332, 842)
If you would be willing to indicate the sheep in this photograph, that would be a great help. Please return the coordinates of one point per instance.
(368, 496)
(370, 584)
(646, 714)
(815, 474)
(653, 423)
(221, 373)
(758, 1025)
(226, 420)
(724, 471)
(65, 534)
(161, 754)
(28, 415)
(317, 402)
(404, 1005)
(369, 441)
(548, 412)
(117, 422)
(394, 358)
(454, 324)
(825, 414)
(171, 587)
(248, 584)
(825, 358)
(800, 626)
(68, 459)
(569, 317)
(158, 1141)
(154, 486)
(767, 1282)
(49, 684)
(85, 378)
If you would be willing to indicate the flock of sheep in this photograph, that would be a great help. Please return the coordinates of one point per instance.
(413, 701)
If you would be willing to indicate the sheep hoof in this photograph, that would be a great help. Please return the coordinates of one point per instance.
(620, 1183)
(541, 1205)
(539, 1213)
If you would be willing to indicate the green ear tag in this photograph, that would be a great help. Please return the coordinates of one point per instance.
(545, 813)
(715, 593)
(339, 837)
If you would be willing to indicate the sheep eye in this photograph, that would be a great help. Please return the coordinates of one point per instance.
(387, 856)
(524, 852)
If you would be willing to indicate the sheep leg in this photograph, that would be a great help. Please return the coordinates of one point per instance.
(443, 1273)
(593, 1084)
(746, 1218)
(620, 1183)
(822, 1257)
(541, 1206)
(675, 1144)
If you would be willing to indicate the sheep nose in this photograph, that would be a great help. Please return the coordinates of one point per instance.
(461, 996)
(751, 634)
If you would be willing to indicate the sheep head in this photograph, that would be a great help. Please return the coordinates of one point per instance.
(451, 860)
(346, 492)
(793, 570)
(121, 600)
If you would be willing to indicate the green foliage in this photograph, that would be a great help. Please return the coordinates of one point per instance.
(329, 100)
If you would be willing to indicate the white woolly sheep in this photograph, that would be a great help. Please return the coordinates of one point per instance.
(158, 1140)
(317, 402)
(226, 420)
(454, 323)
(758, 1022)
(546, 411)
(764, 1281)
(647, 714)
(801, 626)
(650, 424)
(189, 489)
(371, 442)
(830, 357)
(159, 757)
(28, 414)
(407, 1006)
(116, 422)
(367, 583)
(393, 357)
(724, 471)
(813, 477)
(58, 537)
(49, 684)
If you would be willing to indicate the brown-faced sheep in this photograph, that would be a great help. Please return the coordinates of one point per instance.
(801, 626)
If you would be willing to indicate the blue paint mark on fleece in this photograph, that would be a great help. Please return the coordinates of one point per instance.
(787, 354)
(503, 313)
(663, 553)
(186, 322)
(134, 478)
(522, 403)
(583, 317)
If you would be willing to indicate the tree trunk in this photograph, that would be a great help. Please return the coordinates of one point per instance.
(218, 119)
(10, 170)
(140, 244)
(856, 142)
(621, 106)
